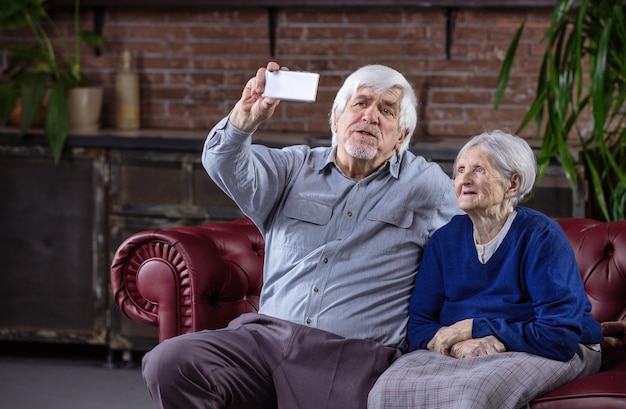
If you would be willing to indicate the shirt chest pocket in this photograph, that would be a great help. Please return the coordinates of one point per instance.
(398, 217)
(308, 211)
(392, 230)
(304, 225)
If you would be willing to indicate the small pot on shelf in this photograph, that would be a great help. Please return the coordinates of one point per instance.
(84, 109)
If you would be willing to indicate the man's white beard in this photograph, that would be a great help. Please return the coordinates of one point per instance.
(360, 150)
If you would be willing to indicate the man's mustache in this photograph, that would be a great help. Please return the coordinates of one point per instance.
(367, 129)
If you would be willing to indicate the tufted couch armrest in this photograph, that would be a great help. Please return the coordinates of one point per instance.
(185, 279)
(600, 250)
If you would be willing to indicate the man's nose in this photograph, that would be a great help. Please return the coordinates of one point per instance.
(370, 115)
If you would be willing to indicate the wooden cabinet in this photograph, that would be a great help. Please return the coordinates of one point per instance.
(53, 268)
(62, 223)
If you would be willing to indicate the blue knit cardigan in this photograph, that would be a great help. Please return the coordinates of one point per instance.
(529, 294)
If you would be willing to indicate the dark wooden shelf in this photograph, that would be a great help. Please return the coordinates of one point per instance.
(308, 3)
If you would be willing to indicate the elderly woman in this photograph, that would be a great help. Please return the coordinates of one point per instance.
(498, 314)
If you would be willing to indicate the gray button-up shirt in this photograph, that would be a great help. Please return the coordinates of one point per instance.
(341, 255)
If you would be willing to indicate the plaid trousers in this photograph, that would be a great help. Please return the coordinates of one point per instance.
(424, 379)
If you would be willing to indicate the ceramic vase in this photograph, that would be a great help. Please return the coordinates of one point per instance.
(85, 107)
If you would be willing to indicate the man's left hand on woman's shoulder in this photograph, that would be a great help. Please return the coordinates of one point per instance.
(614, 334)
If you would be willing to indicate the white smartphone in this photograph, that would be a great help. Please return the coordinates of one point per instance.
(291, 85)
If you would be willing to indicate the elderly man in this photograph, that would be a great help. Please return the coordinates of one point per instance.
(345, 227)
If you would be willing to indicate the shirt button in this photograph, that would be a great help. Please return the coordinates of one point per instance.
(315, 289)
(349, 214)
(308, 320)
(325, 261)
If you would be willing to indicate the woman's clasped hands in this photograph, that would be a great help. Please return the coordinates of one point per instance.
(456, 341)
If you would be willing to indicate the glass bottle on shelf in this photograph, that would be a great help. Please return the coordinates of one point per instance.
(127, 95)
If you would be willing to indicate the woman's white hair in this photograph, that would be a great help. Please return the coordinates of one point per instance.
(381, 78)
(512, 155)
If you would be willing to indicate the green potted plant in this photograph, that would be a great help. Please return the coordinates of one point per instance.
(37, 74)
(580, 101)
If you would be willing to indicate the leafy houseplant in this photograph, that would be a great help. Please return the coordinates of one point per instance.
(37, 74)
(582, 77)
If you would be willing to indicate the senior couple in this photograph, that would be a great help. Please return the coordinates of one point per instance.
(385, 283)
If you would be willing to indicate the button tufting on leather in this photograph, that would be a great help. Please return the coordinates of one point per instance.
(610, 249)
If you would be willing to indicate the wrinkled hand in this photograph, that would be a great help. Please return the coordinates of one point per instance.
(614, 334)
(252, 109)
(477, 347)
(447, 336)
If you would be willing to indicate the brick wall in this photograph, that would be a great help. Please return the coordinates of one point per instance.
(193, 63)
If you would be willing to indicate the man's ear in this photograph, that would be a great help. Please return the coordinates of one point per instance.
(401, 139)
(334, 126)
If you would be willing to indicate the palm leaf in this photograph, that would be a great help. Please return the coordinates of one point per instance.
(8, 98)
(583, 70)
(32, 93)
(505, 70)
(57, 120)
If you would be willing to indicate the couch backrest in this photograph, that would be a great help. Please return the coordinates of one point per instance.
(600, 250)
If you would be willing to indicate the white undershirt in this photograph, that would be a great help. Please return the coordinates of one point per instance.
(485, 251)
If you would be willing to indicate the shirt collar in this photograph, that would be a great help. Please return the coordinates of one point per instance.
(393, 163)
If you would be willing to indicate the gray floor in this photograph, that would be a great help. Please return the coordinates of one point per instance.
(49, 377)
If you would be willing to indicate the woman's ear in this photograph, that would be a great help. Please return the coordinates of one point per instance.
(514, 184)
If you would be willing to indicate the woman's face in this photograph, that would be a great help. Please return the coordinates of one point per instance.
(479, 186)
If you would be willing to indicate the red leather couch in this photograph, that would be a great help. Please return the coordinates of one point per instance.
(185, 279)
